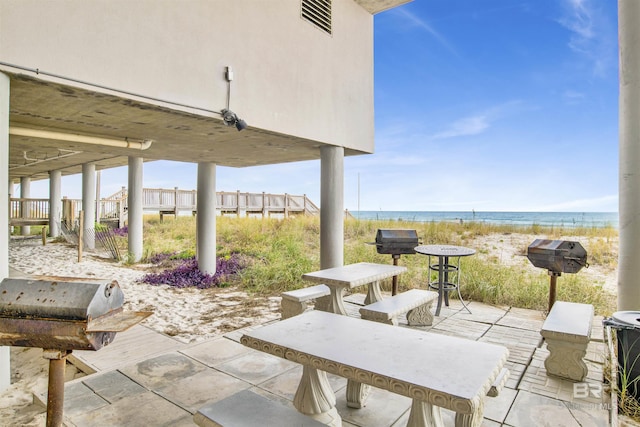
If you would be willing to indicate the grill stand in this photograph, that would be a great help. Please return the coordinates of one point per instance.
(553, 277)
(55, 392)
(394, 286)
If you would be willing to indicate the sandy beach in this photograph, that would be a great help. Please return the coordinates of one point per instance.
(187, 315)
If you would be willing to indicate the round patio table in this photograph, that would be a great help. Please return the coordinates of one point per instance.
(444, 268)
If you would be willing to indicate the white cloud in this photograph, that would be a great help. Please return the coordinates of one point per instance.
(472, 125)
(415, 20)
(477, 123)
(572, 97)
(590, 33)
(579, 21)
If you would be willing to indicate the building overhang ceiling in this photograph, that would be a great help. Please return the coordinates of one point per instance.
(377, 6)
(177, 133)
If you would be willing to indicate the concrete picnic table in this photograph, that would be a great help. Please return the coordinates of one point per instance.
(436, 371)
(353, 275)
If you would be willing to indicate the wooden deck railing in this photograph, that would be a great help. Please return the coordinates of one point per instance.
(24, 212)
(166, 202)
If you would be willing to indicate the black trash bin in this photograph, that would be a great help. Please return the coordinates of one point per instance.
(627, 326)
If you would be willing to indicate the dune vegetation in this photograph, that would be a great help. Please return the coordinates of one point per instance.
(275, 253)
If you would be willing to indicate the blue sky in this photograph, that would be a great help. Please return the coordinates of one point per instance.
(491, 105)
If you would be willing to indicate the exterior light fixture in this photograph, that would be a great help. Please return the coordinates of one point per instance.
(231, 119)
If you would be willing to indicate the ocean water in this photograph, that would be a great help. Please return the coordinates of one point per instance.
(546, 219)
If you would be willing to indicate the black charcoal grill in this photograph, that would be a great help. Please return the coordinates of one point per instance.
(557, 256)
(60, 317)
(396, 242)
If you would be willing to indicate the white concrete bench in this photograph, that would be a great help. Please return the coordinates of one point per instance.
(415, 302)
(295, 302)
(499, 383)
(248, 409)
(566, 332)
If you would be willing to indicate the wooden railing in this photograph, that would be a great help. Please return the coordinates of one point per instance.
(24, 212)
(166, 202)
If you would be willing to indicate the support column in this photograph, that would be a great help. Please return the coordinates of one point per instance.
(135, 214)
(629, 176)
(89, 203)
(331, 206)
(206, 218)
(55, 202)
(9, 197)
(5, 365)
(25, 193)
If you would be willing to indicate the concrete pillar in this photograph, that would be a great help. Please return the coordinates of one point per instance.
(98, 204)
(55, 202)
(629, 174)
(89, 203)
(25, 193)
(9, 197)
(135, 213)
(5, 365)
(206, 218)
(331, 206)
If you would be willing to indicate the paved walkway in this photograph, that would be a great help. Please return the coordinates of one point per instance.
(147, 379)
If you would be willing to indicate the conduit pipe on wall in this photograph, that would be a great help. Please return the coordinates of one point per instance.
(35, 161)
(83, 139)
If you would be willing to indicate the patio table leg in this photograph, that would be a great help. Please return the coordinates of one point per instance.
(440, 285)
(425, 414)
(445, 266)
(471, 420)
(315, 397)
(357, 394)
(373, 293)
(336, 303)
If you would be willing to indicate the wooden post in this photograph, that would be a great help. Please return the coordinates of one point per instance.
(286, 205)
(238, 203)
(80, 235)
(44, 235)
(175, 201)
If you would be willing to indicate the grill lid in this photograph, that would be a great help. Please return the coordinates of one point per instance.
(60, 315)
(33, 299)
(396, 241)
(558, 256)
(396, 236)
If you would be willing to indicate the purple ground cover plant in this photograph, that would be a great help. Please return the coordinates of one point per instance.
(185, 272)
(122, 231)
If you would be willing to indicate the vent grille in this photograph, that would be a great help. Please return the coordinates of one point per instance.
(318, 12)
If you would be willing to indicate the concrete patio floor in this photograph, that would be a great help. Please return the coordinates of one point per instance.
(163, 382)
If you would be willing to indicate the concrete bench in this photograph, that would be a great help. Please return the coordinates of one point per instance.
(498, 383)
(248, 409)
(295, 302)
(566, 332)
(416, 303)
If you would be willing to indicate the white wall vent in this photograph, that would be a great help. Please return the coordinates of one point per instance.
(318, 12)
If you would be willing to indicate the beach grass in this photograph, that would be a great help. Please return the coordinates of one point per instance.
(279, 251)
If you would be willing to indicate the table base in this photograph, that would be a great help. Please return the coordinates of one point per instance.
(315, 398)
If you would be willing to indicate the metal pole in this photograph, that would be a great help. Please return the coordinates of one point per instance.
(394, 286)
(55, 394)
(552, 288)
